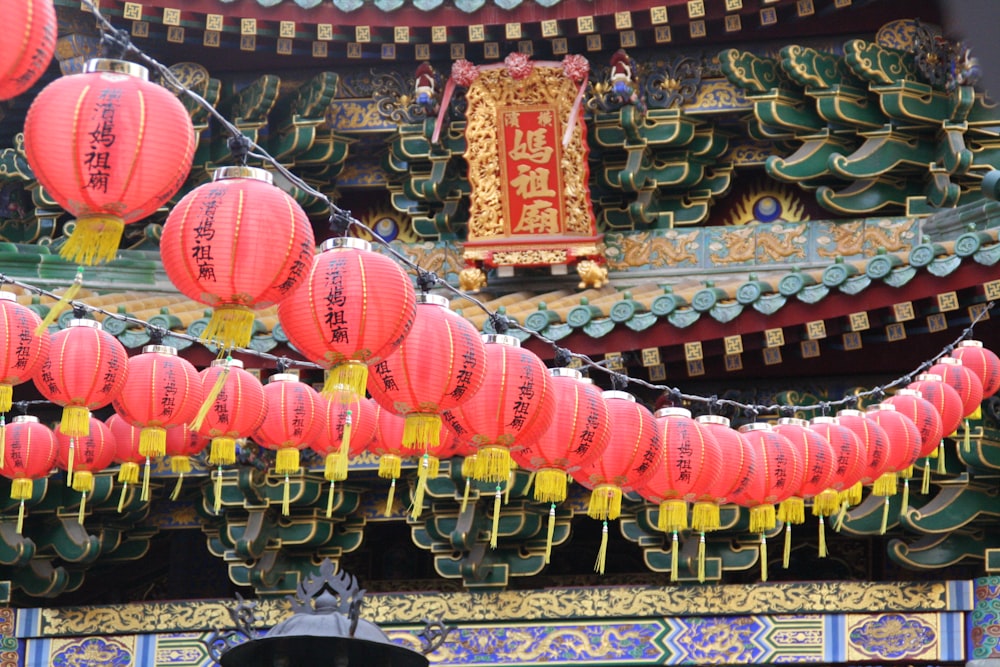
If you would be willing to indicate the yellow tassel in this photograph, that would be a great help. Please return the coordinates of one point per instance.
(701, 558)
(121, 498)
(508, 486)
(21, 488)
(762, 518)
(177, 487)
(550, 486)
(602, 552)
(286, 496)
(333, 471)
(3, 440)
(75, 421)
(433, 467)
(287, 461)
(822, 537)
(705, 517)
(83, 508)
(129, 473)
(550, 532)
(390, 466)
(792, 510)
(344, 453)
(231, 326)
(605, 503)
(329, 500)
(763, 557)
(465, 495)
(222, 451)
(854, 494)
(83, 481)
(422, 431)
(152, 441)
(885, 516)
(94, 240)
(907, 472)
(390, 499)
(70, 459)
(492, 464)
(840, 517)
(885, 485)
(59, 306)
(966, 438)
(825, 503)
(925, 482)
(906, 497)
(6, 396)
(348, 379)
(218, 491)
(496, 519)
(469, 466)
(941, 469)
(213, 394)
(786, 556)
(20, 517)
(180, 465)
(144, 496)
(418, 496)
(673, 516)
(673, 557)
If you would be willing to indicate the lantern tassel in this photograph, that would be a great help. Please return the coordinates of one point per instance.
(941, 469)
(550, 486)
(230, 326)
(465, 495)
(179, 465)
(6, 397)
(94, 240)
(673, 557)
(905, 505)
(390, 466)
(335, 467)
(496, 518)
(701, 557)
(75, 421)
(602, 552)
(925, 482)
(286, 496)
(177, 487)
(762, 518)
(222, 451)
(329, 499)
(422, 431)
(20, 517)
(144, 496)
(840, 517)
(786, 556)
(391, 498)
(213, 394)
(825, 503)
(343, 454)
(822, 537)
(350, 377)
(287, 461)
(605, 503)
(885, 516)
(70, 458)
(121, 498)
(507, 487)
(705, 517)
(153, 441)
(218, 491)
(792, 510)
(492, 464)
(967, 437)
(673, 516)
(550, 532)
(59, 306)
(418, 496)
(83, 508)
(763, 557)
(3, 441)
(885, 485)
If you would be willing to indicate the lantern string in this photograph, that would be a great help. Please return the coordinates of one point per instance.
(341, 221)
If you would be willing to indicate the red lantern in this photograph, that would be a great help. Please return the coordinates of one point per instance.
(348, 428)
(183, 443)
(85, 369)
(162, 391)
(904, 449)
(946, 401)
(111, 148)
(981, 361)
(439, 365)
(22, 351)
(236, 410)
(237, 244)
(961, 379)
(633, 455)
(127, 454)
(25, 56)
(921, 412)
(354, 311)
(737, 461)
(850, 455)
(82, 457)
(29, 455)
(295, 417)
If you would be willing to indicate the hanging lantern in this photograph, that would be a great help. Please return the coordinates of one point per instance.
(126, 438)
(348, 429)
(354, 311)
(295, 417)
(439, 365)
(633, 455)
(89, 454)
(911, 403)
(387, 445)
(85, 369)
(875, 444)
(237, 244)
(968, 385)
(580, 434)
(818, 466)
(777, 475)
(903, 437)
(946, 401)
(111, 148)
(850, 456)
(23, 351)
(163, 390)
(182, 443)
(691, 463)
(981, 361)
(24, 56)
(29, 455)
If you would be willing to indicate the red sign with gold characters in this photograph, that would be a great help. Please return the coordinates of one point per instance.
(527, 154)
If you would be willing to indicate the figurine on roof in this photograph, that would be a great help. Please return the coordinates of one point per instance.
(622, 72)
(425, 86)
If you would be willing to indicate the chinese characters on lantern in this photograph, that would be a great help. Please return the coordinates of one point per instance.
(531, 169)
(102, 137)
(335, 300)
(204, 232)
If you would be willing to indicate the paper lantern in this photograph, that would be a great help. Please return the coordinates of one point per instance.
(111, 148)
(21, 349)
(127, 454)
(354, 310)
(84, 456)
(163, 390)
(921, 412)
(231, 410)
(29, 454)
(632, 457)
(737, 461)
(850, 457)
(31, 41)
(981, 361)
(439, 365)
(295, 417)
(347, 430)
(946, 400)
(237, 244)
(961, 379)
(904, 448)
(182, 443)
(85, 369)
